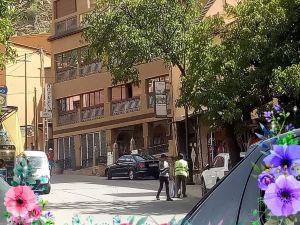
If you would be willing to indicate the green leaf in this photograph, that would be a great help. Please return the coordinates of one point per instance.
(255, 168)
(254, 212)
(142, 221)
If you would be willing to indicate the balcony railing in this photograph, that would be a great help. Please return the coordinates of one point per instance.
(66, 25)
(126, 106)
(151, 100)
(92, 113)
(69, 74)
(68, 118)
(89, 69)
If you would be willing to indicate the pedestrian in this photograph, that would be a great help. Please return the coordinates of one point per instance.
(31, 146)
(50, 156)
(181, 173)
(164, 171)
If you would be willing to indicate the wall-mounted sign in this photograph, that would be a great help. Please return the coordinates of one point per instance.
(110, 158)
(3, 93)
(160, 105)
(47, 115)
(48, 97)
(3, 90)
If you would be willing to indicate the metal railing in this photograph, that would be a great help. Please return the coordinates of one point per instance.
(92, 68)
(126, 106)
(68, 118)
(92, 113)
(69, 74)
(65, 26)
(87, 162)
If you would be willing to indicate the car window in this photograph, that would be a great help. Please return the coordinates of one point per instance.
(138, 158)
(218, 162)
(122, 159)
(129, 159)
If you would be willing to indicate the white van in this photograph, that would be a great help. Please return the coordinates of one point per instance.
(41, 175)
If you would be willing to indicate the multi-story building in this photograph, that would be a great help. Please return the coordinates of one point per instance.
(91, 117)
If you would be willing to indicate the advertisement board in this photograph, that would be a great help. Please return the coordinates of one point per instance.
(48, 97)
(160, 105)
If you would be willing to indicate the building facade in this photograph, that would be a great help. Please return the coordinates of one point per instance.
(92, 118)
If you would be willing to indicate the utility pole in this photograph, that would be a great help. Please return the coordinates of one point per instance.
(25, 101)
(35, 121)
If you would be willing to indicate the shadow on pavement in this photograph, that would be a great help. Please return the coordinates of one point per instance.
(145, 208)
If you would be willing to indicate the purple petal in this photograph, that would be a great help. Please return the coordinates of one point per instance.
(296, 206)
(292, 151)
(273, 160)
(282, 182)
(287, 209)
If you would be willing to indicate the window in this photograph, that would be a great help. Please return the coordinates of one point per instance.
(66, 60)
(125, 91)
(69, 103)
(86, 56)
(219, 161)
(93, 99)
(152, 80)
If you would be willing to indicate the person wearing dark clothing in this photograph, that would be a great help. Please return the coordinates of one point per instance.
(164, 171)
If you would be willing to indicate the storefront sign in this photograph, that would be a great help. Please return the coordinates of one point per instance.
(160, 105)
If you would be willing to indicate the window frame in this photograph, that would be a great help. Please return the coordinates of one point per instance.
(67, 101)
(89, 99)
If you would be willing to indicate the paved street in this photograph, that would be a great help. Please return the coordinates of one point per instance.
(102, 199)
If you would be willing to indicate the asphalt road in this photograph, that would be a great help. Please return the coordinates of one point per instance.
(103, 199)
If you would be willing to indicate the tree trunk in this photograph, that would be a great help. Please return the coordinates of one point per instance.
(232, 144)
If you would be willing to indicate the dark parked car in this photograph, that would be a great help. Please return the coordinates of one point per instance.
(234, 197)
(133, 166)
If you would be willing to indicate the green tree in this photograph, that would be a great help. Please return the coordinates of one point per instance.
(256, 59)
(129, 32)
(6, 17)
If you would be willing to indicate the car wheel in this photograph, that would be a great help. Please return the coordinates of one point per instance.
(203, 187)
(109, 176)
(131, 175)
(48, 189)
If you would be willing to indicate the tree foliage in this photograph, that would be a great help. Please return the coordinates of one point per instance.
(256, 59)
(126, 33)
(6, 17)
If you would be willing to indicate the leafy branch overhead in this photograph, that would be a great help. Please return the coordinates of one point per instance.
(7, 12)
(254, 58)
(126, 33)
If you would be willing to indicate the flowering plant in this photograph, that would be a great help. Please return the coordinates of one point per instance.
(279, 181)
(22, 204)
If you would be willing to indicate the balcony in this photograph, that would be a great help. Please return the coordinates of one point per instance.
(158, 149)
(126, 106)
(68, 118)
(89, 69)
(69, 74)
(92, 113)
(66, 26)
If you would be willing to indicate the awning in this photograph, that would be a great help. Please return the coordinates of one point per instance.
(12, 126)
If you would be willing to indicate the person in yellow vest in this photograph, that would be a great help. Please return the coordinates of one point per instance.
(181, 173)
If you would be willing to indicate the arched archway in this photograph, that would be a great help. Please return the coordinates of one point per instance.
(123, 141)
(159, 135)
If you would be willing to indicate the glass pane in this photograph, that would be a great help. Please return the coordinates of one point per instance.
(219, 162)
(116, 93)
(72, 58)
(92, 99)
(101, 97)
(84, 53)
(86, 100)
(150, 85)
(97, 97)
(123, 94)
(68, 104)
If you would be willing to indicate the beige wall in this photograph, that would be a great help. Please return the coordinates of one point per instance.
(218, 7)
(16, 82)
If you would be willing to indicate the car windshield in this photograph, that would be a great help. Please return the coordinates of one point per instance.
(37, 162)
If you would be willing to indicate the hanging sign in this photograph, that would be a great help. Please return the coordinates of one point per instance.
(3, 94)
(48, 97)
(160, 105)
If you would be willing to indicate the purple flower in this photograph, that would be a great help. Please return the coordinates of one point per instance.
(49, 215)
(268, 116)
(278, 109)
(284, 159)
(264, 179)
(289, 127)
(283, 196)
